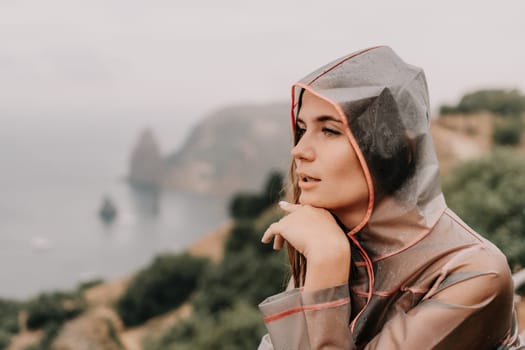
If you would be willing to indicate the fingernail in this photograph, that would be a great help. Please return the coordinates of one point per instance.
(283, 203)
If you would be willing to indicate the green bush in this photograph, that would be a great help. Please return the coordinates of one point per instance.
(248, 233)
(53, 308)
(507, 132)
(273, 188)
(246, 206)
(113, 334)
(50, 333)
(250, 269)
(241, 236)
(5, 339)
(499, 101)
(245, 275)
(164, 285)
(237, 328)
(447, 109)
(9, 316)
(489, 194)
(89, 284)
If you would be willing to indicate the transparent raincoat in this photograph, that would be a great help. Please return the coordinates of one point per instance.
(423, 278)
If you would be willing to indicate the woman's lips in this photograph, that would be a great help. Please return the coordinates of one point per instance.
(306, 181)
(309, 179)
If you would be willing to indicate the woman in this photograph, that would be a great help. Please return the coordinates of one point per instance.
(378, 260)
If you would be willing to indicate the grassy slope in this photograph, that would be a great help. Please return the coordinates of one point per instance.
(456, 139)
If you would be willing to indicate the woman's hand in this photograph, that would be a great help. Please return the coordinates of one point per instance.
(314, 233)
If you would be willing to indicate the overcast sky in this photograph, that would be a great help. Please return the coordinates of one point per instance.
(183, 58)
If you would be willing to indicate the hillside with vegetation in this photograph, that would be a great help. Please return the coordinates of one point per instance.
(489, 191)
(206, 297)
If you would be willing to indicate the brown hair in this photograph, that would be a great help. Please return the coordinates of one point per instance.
(296, 259)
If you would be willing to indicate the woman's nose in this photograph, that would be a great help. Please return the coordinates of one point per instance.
(303, 150)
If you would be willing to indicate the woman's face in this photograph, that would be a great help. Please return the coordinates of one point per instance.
(328, 171)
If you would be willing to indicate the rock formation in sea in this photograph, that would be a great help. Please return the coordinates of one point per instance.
(146, 167)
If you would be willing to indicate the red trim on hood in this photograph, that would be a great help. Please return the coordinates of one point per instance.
(344, 59)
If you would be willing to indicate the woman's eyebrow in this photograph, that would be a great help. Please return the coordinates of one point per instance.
(320, 119)
(325, 118)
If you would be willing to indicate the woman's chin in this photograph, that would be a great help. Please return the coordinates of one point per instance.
(310, 200)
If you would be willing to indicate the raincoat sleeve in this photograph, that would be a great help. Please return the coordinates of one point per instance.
(446, 318)
(298, 319)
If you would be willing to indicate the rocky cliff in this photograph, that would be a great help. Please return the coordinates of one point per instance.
(146, 167)
(232, 149)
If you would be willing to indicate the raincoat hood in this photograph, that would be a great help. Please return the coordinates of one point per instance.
(384, 103)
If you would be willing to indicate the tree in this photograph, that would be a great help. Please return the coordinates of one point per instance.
(53, 309)
(498, 101)
(162, 286)
(247, 205)
(9, 310)
(237, 328)
(273, 188)
(489, 194)
(507, 132)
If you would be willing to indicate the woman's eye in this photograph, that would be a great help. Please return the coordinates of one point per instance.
(299, 132)
(330, 132)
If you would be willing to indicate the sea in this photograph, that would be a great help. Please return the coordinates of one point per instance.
(54, 176)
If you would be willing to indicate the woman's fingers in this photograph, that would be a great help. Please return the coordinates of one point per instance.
(273, 231)
(270, 232)
(278, 242)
